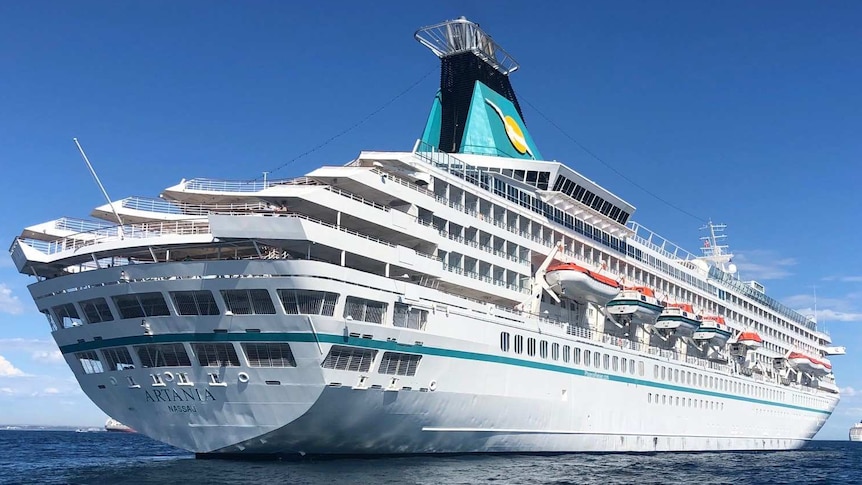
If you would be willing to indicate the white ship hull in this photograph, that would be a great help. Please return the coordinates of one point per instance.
(856, 433)
(484, 399)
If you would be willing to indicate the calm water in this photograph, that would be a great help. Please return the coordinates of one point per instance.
(69, 457)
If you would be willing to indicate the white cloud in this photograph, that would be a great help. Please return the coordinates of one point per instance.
(9, 370)
(761, 265)
(49, 356)
(848, 391)
(27, 345)
(844, 279)
(9, 303)
(827, 315)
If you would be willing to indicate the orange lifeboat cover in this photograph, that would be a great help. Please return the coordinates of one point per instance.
(749, 335)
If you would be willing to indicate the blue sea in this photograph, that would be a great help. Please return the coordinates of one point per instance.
(47, 457)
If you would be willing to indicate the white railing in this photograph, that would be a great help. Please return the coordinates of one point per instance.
(357, 198)
(117, 233)
(80, 225)
(658, 243)
(214, 185)
(162, 206)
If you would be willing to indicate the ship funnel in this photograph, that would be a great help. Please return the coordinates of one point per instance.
(476, 110)
(459, 36)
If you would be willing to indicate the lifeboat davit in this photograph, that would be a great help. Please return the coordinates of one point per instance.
(712, 329)
(635, 303)
(750, 339)
(679, 318)
(581, 284)
(811, 365)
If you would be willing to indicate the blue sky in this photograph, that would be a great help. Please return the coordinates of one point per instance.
(744, 112)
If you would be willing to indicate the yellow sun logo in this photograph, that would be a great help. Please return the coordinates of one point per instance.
(513, 130)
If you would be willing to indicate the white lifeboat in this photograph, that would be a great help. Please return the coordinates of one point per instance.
(750, 339)
(679, 318)
(712, 329)
(581, 284)
(635, 303)
(811, 365)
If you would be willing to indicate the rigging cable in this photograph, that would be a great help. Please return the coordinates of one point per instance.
(357, 124)
(606, 164)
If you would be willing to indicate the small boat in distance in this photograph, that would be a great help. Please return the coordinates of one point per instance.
(582, 285)
(679, 318)
(637, 304)
(116, 426)
(856, 432)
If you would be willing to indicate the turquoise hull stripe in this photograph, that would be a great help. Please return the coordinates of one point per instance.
(416, 349)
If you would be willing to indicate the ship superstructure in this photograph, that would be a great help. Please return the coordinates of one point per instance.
(453, 298)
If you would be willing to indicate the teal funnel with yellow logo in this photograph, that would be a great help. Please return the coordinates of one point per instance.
(475, 110)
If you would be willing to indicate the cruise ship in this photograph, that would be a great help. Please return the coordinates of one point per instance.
(856, 432)
(464, 296)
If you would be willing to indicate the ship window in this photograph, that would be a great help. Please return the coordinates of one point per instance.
(268, 354)
(649, 397)
(507, 172)
(96, 310)
(676, 375)
(597, 202)
(89, 362)
(632, 367)
(663, 373)
(141, 305)
(519, 344)
(67, 315)
(349, 358)
(543, 349)
(624, 364)
(248, 302)
(587, 359)
(640, 368)
(163, 355)
(216, 354)
(519, 175)
(577, 356)
(308, 302)
(50, 319)
(607, 361)
(578, 193)
(406, 316)
(616, 363)
(597, 360)
(532, 177)
(117, 358)
(396, 363)
(504, 341)
(606, 207)
(655, 371)
(555, 351)
(199, 302)
(567, 351)
(364, 310)
(531, 346)
(544, 178)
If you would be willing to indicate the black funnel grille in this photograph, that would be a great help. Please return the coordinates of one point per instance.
(458, 75)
